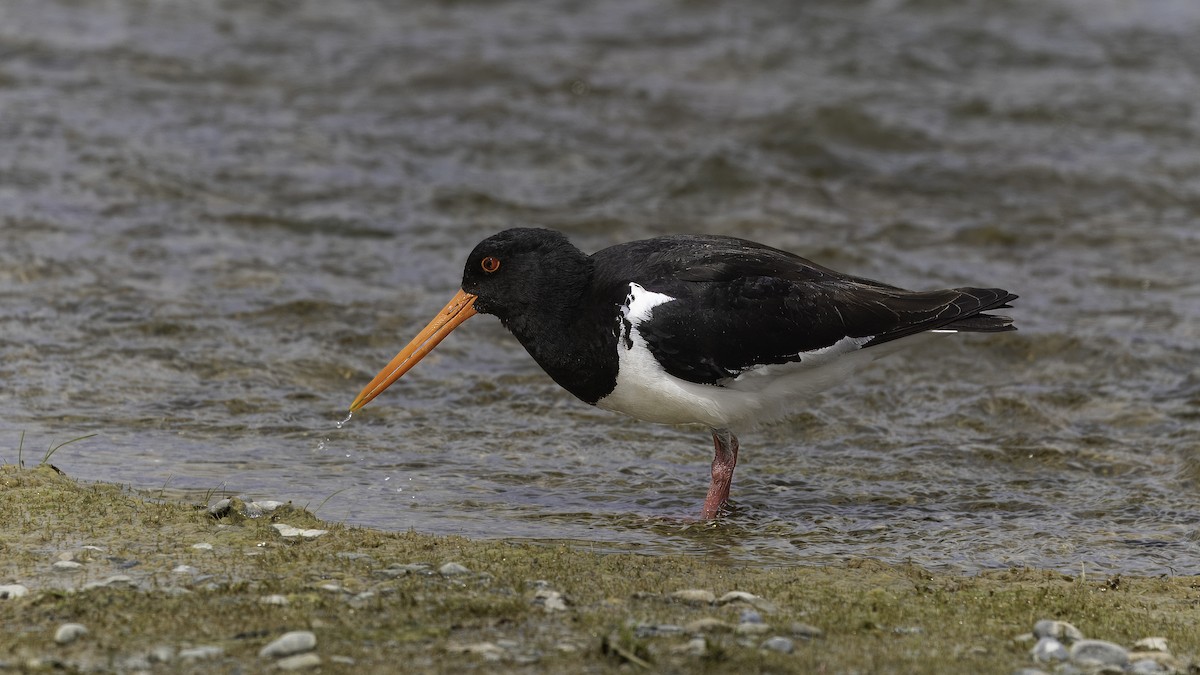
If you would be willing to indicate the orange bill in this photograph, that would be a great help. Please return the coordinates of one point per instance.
(459, 309)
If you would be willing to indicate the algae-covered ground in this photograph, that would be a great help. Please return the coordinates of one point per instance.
(128, 568)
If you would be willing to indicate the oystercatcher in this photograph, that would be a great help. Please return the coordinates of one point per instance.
(691, 329)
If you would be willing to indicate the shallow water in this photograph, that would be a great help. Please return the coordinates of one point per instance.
(220, 219)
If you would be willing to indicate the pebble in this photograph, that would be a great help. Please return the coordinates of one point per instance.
(488, 650)
(707, 625)
(1146, 667)
(220, 508)
(287, 644)
(551, 601)
(1059, 630)
(67, 566)
(203, 546)
(198, 653)
(285, 530)
(759, 603)
(394, 570)
(1049, 649)
(1098, 653)
(1151, 644)
(806, 631)
(695, 596)
(752, 628)
(162, 654)
(13, 591)
(779, 644)
(1030, 671)
(453, 569)
(114, 580)
(750, 616)
(657, 630)
(134, 663)
(298, 662)
(185, 569)
(69, 632)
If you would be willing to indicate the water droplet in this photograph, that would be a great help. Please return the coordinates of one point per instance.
(343, 422)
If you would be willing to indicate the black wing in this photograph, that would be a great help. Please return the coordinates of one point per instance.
(740, 304)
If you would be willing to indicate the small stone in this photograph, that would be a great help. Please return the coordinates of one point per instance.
(1030, 671)
(750, 616)
(393, 571)
(779, 644)
(649, 630)
(342, 660)
(1151, 644)
(162, 654)
(752, 628)
(134, 663)
(737, 596)
(287, 644)
(551, 601)
(69, 632)
(804, 630)
(67, 566)
(289, 531)
(201, 653)
(1163, 659)
(1049, 649)
(13, 591)
(203, 546)
(708, 625)
(1091, 653)
(185, 569)
(695, 596)
(113, 581)
(488, 650)
(1059, 630)
(453, 569)
(697, 646)
(298, 662)
(221, 508)
(1146, 667)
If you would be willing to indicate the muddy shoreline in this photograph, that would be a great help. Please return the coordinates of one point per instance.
(164, 586)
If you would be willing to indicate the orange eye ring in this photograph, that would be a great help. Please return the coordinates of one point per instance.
(490, 264)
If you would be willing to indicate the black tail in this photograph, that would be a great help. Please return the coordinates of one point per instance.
(985, 323)
(958, 309)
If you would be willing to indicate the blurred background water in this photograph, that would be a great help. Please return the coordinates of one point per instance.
(219, 219)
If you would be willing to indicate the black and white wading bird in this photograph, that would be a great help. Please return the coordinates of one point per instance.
(691, 329)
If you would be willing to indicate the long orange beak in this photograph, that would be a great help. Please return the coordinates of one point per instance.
(459, 309)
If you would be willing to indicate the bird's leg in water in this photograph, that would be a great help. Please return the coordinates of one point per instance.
(725, 446)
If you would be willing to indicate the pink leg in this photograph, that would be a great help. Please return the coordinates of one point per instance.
(725, 445)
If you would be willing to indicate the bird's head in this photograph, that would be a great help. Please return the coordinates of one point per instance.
(520, 275)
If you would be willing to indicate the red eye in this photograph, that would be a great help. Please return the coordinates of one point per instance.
(490, 264)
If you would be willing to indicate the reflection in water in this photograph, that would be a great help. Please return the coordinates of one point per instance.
(217, 220)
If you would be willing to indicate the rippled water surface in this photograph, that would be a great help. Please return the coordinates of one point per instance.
(218, 219)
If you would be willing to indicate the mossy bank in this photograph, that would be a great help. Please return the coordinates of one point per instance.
(169, 587)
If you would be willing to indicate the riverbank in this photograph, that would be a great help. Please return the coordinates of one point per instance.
(160, 586)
